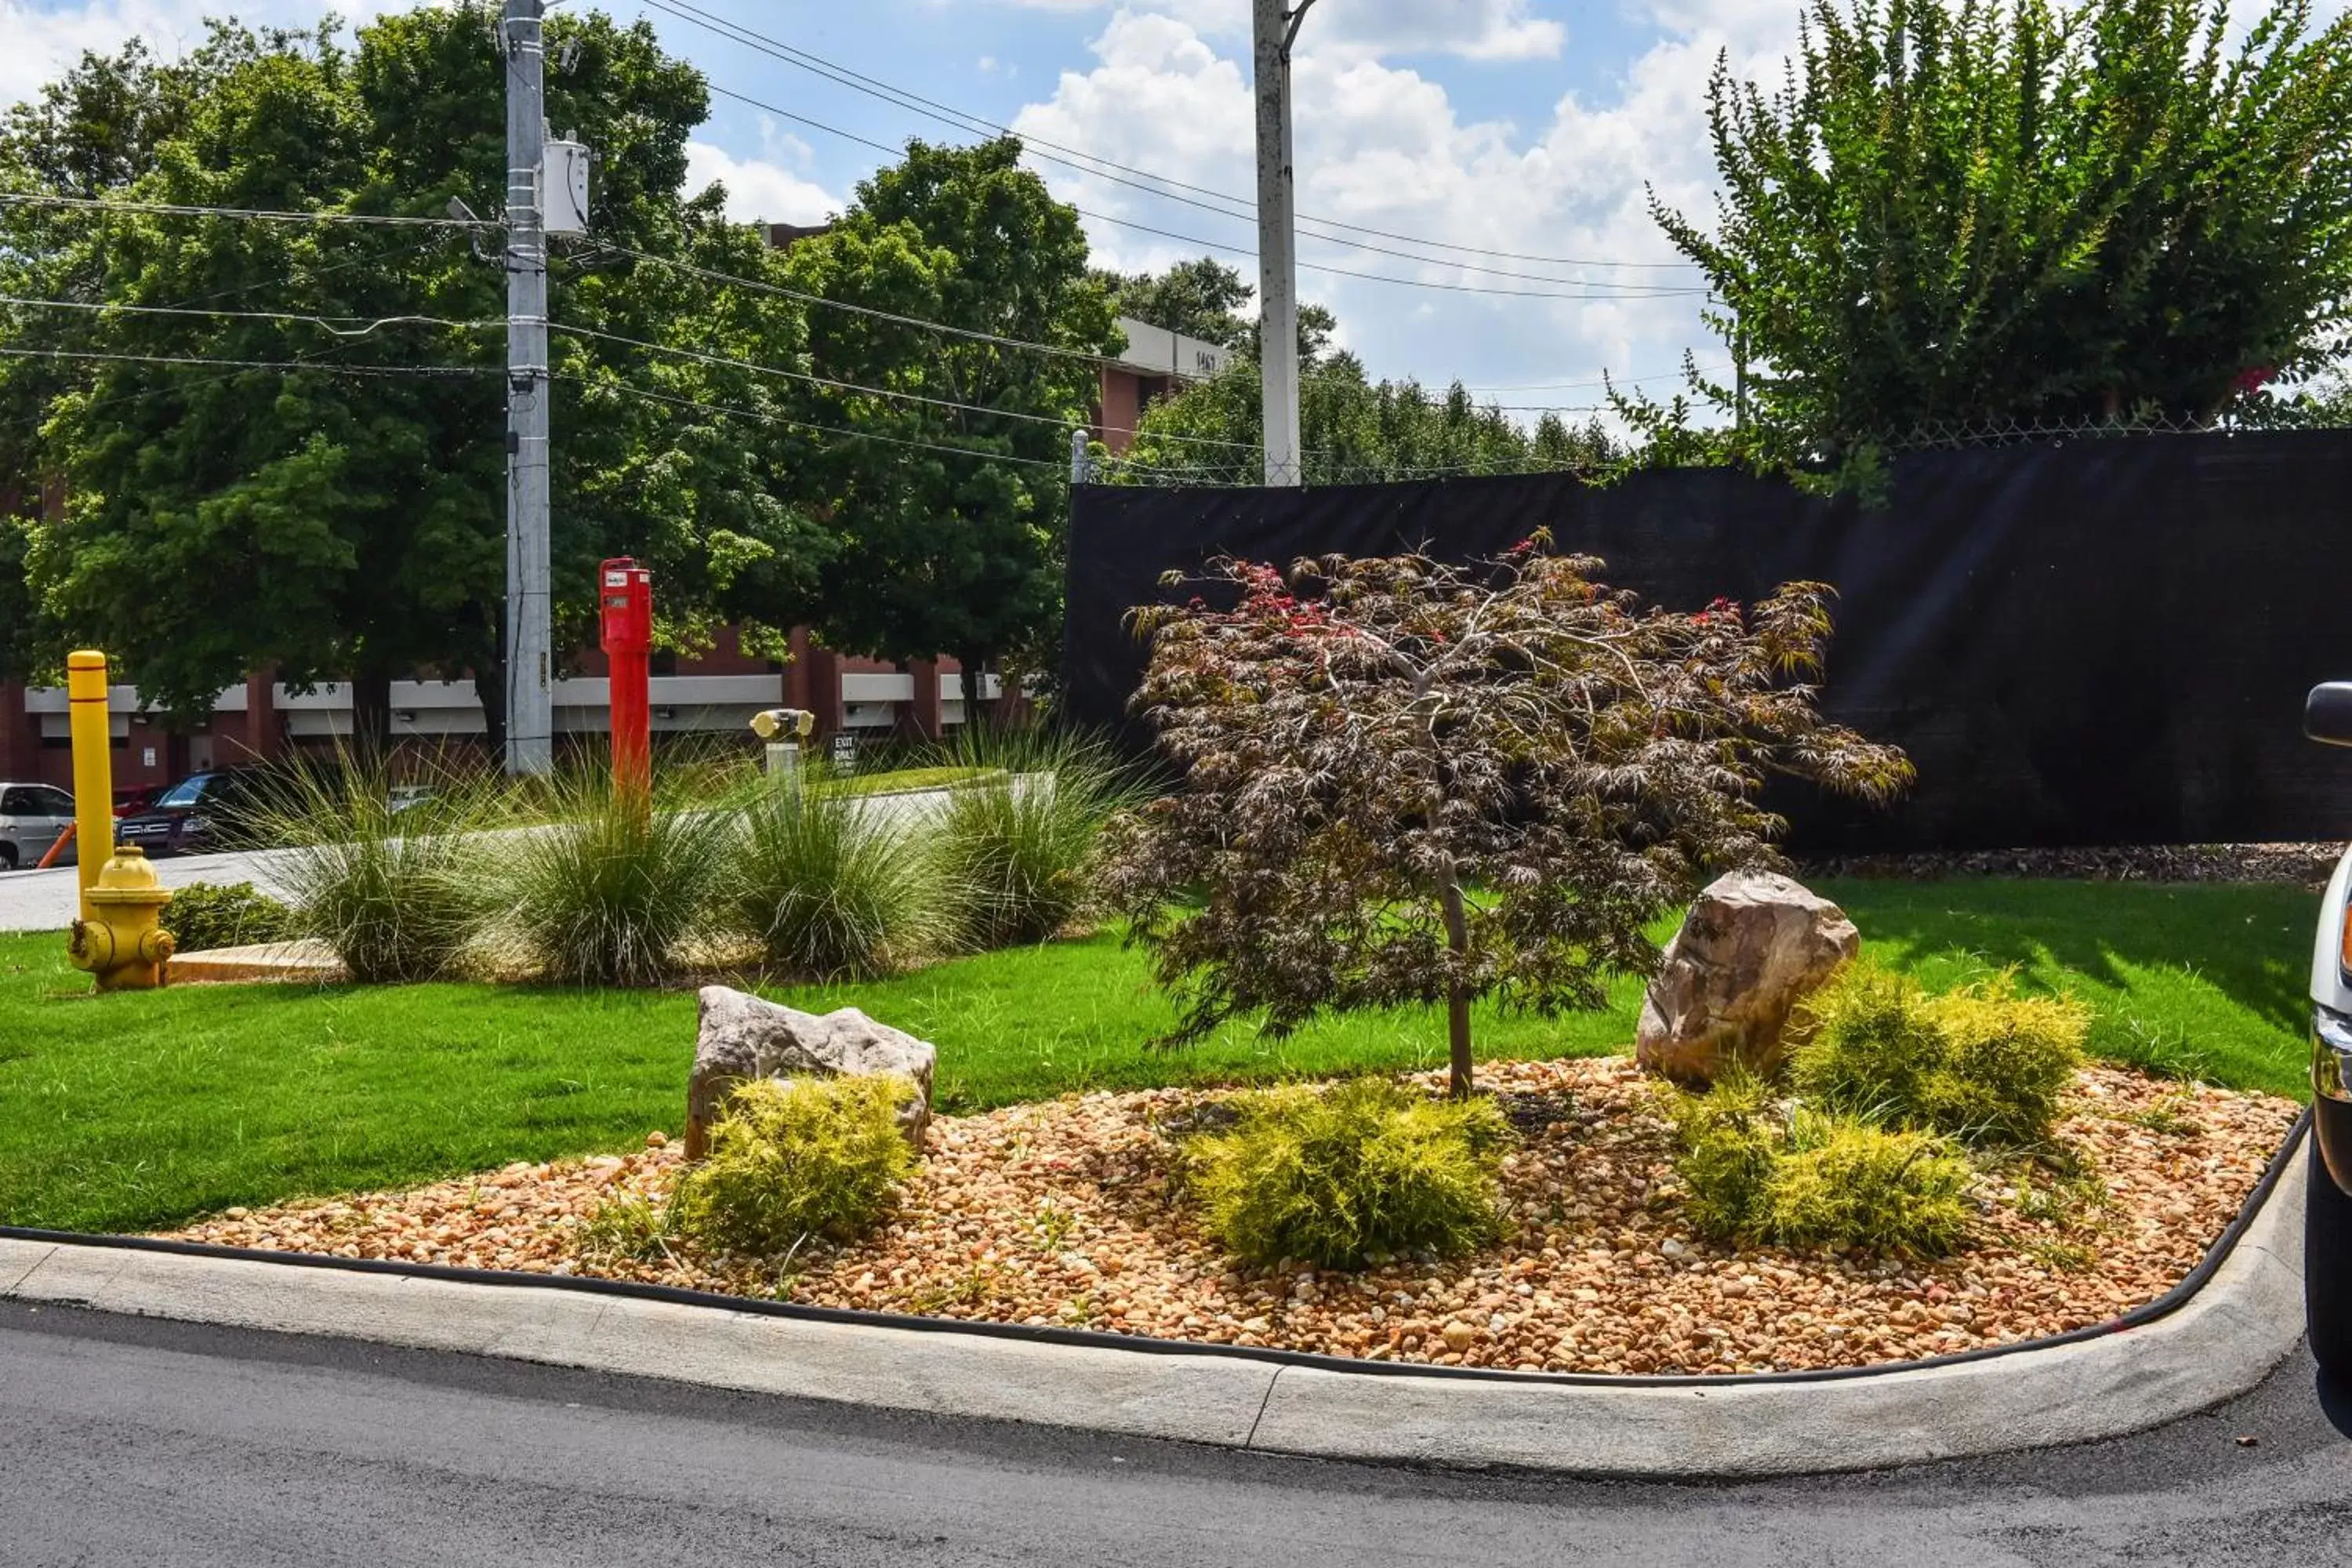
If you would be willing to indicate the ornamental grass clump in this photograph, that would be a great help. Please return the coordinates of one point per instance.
(1335, 1177)
(399, 893)
(832, 885)
(1018, 844)
(794, 1161)
(1761, 1172)
(612, 889)
(1982, 1063)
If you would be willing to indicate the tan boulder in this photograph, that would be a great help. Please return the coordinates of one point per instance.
(739, 1036)
(1754, 944)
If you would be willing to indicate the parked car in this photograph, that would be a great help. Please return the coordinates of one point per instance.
(203, 813)
(140, 798)
(32, 816)
(2327, 1215)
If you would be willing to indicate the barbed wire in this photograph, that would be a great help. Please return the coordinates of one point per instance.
(1960, 434)
(1250, 471)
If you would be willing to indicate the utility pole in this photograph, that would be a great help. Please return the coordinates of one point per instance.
(1274, 26)
(531, 709)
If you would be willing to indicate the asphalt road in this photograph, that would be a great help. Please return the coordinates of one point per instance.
(130, 1441)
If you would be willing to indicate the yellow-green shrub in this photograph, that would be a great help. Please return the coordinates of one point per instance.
(1333, 1176)
(1982, 1063)
(1761, 1174)
(792, 1160)
(1841, 1183)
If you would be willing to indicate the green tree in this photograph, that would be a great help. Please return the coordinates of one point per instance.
(952, 513)
(1352, 430)
(1978, 211)
(1201, 299)
(344, 519)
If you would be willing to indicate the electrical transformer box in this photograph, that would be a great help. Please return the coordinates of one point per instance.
(565, 197)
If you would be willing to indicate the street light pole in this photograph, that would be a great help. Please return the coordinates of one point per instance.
(1274, 27)
(531, 717)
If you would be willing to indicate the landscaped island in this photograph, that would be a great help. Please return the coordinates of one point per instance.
(1061, 1214)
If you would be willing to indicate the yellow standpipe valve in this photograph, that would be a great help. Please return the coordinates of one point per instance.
(122, 942)
(93, 768)
(120, 938)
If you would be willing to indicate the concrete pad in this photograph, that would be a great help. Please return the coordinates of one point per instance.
(307, 960)
(1192, 1398)
(18, 1258)
(70, 1276)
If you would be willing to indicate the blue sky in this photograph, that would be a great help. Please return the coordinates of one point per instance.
(1530, 127)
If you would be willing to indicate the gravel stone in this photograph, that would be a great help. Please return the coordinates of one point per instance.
(1062, 1213)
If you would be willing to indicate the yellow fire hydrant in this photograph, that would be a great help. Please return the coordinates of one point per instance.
(122, 941)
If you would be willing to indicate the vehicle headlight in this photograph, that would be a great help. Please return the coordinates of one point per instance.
(196, 825)
(2331, 1053)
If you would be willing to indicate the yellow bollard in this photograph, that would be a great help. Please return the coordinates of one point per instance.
(93, 769)
(119, 939)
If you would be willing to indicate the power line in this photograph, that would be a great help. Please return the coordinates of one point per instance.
(395, 254)
(420, 370)
(325, 322)
(815, 380)
(652, 396)
(970, 123)
(1601, 380)
(174, 209)
(762, 285)
(1615, 292)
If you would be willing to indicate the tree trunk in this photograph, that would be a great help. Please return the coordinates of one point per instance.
(1457, 998)
(370, 717)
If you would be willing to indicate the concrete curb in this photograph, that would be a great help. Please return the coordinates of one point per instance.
(2222, 1342)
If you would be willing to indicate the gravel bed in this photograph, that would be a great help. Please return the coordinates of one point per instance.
(1060, 1212)
(2305, 864)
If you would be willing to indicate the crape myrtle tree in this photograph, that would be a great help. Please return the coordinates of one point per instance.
(1974, 212)
(1404, 781)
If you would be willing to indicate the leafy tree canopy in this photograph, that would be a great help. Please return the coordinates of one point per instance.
(1203, 299)
(952, 512)
(1963, 212)
(1352, 430)
(336, 509)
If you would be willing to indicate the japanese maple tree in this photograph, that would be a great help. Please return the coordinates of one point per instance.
(1405, 781)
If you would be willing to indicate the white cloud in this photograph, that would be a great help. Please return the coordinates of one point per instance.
(759, 190)
(1383, 147)
(42, 42)
(1474, 29)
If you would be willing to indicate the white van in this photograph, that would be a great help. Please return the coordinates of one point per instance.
(32, 816)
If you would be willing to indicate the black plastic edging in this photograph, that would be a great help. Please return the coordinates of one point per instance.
(2171, 1301)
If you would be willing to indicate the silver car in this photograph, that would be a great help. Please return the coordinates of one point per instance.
(32, 816)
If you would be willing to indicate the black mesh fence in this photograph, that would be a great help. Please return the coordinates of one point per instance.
(2078, 643)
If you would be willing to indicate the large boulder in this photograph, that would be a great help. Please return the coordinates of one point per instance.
(739, 1036)
(1753, 945)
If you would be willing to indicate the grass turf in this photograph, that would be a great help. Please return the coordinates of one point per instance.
(136, 1111)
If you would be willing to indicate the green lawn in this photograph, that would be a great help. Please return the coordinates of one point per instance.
(135, 1112)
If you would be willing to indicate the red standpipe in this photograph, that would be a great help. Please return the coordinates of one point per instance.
(626, 599)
